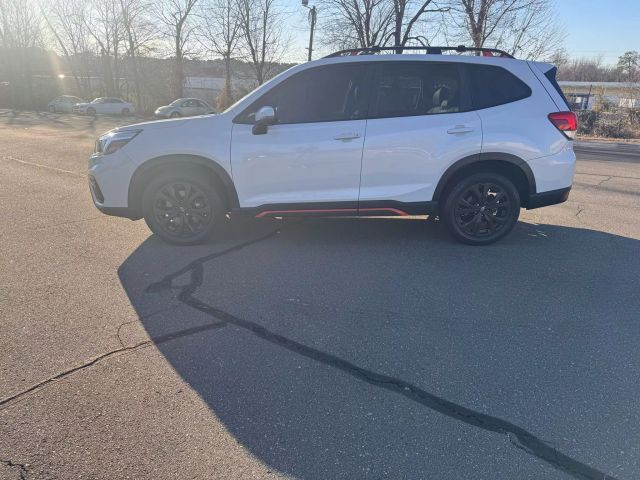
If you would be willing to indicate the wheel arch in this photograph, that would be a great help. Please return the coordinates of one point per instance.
(154, 166)
(513, 167)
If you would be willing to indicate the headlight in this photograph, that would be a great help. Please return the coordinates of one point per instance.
(113, 141)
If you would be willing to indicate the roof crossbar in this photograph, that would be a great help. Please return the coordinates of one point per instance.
(487, 52)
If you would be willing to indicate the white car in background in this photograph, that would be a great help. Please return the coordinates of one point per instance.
(184, 107)
(109, 105)
(63, 103)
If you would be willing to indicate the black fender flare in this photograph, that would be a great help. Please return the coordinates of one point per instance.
(479, 159)
(136, 188)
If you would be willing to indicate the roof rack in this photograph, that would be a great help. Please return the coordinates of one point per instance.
(485, 52)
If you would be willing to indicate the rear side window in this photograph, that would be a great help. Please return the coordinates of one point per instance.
(491, 86)
(405, 89)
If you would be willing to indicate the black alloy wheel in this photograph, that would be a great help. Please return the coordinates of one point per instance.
(482, 208)
(181, 210)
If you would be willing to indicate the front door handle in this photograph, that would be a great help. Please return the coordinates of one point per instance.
(347, 136)
(460, 129)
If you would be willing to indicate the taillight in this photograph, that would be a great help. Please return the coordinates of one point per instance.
(566, 122)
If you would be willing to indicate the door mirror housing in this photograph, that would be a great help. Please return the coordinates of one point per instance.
(263, 118)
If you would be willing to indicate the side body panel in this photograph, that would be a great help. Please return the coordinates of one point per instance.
(522, 128)
(298, 163)
(405, 157)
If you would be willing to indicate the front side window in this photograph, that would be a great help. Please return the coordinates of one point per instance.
(491, 86)
(405, 89)
(322, 94)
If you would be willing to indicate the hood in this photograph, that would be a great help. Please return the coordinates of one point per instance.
(164, 108)
(157, 124)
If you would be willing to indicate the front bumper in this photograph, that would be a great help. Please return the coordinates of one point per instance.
(109, 179)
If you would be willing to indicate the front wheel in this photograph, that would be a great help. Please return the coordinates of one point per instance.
(125, 111)
(174, 115)
(91, 111)
(481, 209)
(181, 208)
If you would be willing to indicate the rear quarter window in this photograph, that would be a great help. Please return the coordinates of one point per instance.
(491, 86)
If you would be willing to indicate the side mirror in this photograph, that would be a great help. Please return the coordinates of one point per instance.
(263, 118)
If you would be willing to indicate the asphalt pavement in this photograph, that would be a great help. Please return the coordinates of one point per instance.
(314, 349)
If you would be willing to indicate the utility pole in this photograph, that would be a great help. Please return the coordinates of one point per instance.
(312, 19)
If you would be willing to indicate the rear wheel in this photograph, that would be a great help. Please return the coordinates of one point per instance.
(181, 208)
(481, 209)
(52, 109)
(125, 111)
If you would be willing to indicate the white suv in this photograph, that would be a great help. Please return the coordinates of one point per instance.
(469, 138)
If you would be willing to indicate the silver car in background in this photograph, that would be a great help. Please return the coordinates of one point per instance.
(108, 105)
(63, 103)
(184, 107)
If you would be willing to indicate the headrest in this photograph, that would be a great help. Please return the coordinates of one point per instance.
(441, 95)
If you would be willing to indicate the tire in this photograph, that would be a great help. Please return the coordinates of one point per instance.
(174, 115)
(91, 111)
(481, 209)
(125, 111)
(181, 208)
(52, 109)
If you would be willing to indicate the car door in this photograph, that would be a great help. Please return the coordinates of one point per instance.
(313, 153)
(201, 108)
(186, 108)
(420, 123)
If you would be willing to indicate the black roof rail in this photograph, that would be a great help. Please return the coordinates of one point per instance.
(429, 50)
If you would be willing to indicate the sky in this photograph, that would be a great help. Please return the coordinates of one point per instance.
(600, 27)
(605, 28)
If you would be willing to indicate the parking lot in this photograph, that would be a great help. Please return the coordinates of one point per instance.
(316, 349)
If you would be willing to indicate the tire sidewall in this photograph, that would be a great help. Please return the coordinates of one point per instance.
(448, 212)
(217, 210)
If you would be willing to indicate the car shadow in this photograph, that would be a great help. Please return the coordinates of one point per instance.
(364, 348)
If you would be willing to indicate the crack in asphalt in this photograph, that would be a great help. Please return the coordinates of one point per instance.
(59, 376)
(22, 468)
(5, 402)
(518, 436)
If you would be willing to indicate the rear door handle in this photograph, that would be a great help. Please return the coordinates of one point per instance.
(347, 136)
(460, 129)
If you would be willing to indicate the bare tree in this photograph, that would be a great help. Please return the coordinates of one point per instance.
(220, 31)
(367, 23)
(263, 41)
(406, 17)
(521, 27)
(104, 23)
(139, 32)
(66, 20)
(20, 34)
(179, 25)
(356, 23)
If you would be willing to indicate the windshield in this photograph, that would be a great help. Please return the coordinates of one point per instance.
(176, 103)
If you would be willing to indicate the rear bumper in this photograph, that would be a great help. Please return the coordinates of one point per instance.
(544, 199)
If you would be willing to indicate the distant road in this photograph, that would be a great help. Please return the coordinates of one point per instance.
(619, 152)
